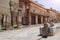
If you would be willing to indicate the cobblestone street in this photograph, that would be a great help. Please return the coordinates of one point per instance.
(29, 33)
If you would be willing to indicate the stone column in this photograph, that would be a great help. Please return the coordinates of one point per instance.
(19, 19)
(29, 19)
(14, 22)
(36, 19)
(7, 22)
(45, 19)
(41, 19)
(14, 19)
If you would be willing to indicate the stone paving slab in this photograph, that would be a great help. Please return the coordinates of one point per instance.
(29, 33)
(22, 34)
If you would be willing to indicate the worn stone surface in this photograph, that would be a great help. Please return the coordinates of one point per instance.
(29, 33)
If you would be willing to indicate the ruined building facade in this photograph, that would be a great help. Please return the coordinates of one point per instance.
(25, 12)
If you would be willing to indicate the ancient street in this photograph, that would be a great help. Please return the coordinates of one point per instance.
(29, 33)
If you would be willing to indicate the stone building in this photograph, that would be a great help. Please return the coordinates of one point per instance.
(34, 13)
(25, 12)
(52, 14)
(58, 17)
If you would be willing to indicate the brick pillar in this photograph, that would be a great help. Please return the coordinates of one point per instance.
(29, 19)
(41, 19)
(19, 18)
(36, 19)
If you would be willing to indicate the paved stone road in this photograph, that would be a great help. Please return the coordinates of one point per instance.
(21, 34)
(29, 33)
